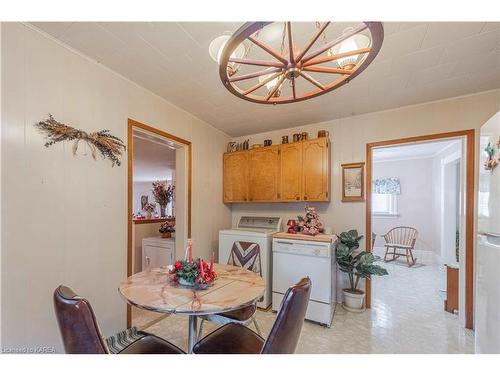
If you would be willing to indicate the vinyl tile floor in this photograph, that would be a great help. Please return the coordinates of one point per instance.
(407, 316)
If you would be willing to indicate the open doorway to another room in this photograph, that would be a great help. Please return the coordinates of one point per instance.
(418, 223)
(159, 205)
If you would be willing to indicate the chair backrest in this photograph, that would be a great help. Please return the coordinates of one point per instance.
(374, 237)
(77, 324)
(246, 255)
(402, 236)
(285, 332)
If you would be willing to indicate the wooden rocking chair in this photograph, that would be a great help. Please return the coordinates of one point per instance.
(400, 238)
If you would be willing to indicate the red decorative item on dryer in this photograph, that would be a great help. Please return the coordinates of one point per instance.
(292, 224)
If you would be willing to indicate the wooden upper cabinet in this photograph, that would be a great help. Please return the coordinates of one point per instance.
(235, 177)
(316, 170)
(291, 172)
(264, 167)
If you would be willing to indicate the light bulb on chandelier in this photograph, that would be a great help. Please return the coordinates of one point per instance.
(217, 47)
(353, 43)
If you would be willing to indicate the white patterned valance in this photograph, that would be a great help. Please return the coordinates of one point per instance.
(389, 185)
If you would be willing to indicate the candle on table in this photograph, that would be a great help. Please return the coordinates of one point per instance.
(202, 269)
(212, 263)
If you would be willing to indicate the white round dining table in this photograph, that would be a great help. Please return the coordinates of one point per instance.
(234, 288)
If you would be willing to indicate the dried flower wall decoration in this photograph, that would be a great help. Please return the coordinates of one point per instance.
(108, 145)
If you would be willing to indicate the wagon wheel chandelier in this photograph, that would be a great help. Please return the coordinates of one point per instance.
(337, 60)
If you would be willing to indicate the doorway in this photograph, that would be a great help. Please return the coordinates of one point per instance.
(466, 215)
(159, 204)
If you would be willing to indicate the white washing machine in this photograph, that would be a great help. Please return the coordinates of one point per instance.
(253, 230)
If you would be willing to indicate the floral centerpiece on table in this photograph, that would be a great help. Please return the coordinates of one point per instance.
(163, 194)
(167, 228)
(191, 272)
(310, 223)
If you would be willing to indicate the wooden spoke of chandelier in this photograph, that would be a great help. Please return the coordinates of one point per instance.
(255, 74)
(276, 87)
(312, 80)
(268, 50)
(323, 69)
(324, 59)
(260, 84)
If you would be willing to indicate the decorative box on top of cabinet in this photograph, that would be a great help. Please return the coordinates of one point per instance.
(294, 172)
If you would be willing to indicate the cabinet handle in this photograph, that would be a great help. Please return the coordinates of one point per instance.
(148, 261)
(297, 198)
(305, 197)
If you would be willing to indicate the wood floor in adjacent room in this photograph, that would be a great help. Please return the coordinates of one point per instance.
(407, 317)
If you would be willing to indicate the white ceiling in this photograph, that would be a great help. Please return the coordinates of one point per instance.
(412, 151)
(418, 62)
(152, 160)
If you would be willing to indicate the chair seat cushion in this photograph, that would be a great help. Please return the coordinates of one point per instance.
(242, 314)
(151, 344)
(400, 246)
(121, 340)
(230, 339)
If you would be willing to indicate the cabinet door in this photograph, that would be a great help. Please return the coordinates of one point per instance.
(235, 177)
(264, 168)
(291, 172)
(156, 257)
(315, 170)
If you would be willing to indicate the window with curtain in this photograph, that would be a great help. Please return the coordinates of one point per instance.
(385, 196)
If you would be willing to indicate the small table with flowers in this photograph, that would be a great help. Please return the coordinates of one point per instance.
(234, 288)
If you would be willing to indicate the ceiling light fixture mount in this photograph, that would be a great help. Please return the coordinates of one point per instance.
(350, 53)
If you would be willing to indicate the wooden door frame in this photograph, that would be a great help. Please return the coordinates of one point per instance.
(470, 157)
(133, 124)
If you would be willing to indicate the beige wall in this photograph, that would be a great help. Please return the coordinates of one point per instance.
(64, 218)
(414, 202)
(350, 135)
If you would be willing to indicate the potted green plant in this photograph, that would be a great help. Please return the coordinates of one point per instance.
(358, 265)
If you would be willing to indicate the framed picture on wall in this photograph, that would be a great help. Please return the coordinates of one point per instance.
(144, 201)
(353, 182)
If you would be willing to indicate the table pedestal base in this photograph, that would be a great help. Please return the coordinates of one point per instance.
(192, 332)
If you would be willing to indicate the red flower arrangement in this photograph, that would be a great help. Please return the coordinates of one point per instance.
(193, 273)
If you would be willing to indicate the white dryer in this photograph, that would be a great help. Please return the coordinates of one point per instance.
(250, 231)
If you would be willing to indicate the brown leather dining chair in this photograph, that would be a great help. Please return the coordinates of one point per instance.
(81, 335)
(283, 338)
